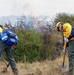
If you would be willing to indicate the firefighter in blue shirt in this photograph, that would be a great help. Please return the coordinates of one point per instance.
(8, 50)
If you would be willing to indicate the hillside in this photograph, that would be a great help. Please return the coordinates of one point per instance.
(38, 68)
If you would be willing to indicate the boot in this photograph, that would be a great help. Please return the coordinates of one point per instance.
(15, 73)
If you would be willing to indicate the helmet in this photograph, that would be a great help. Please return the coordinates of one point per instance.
(58, 24)
(6, 26)
(1, 26)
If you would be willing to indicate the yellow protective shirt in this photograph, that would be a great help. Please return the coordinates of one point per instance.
(67, 28)
(1, 29)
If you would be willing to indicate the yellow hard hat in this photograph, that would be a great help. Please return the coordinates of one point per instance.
(58, 24)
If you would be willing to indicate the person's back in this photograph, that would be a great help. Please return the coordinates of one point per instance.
(8, 50)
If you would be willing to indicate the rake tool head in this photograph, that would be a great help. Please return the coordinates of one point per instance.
(4, 70)
(62, 66)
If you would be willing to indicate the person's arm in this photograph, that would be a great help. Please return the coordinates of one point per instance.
(67, 28)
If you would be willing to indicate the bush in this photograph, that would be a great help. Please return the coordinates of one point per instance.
(29, 46)
(35, 46)
(64, 17)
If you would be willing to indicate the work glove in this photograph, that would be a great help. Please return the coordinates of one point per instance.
(65, 39)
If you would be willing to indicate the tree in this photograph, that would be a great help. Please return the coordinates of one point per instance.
(64, 17)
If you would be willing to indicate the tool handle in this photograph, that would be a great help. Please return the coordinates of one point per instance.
(64, 58)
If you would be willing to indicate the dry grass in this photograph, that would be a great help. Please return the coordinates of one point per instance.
(38, 68)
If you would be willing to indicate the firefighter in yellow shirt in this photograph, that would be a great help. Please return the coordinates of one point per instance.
(66, 29)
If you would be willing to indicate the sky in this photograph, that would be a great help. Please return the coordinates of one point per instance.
(35, 7)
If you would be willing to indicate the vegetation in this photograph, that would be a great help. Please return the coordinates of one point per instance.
(34, 46)
(37, 46)
(46, 67)
(64, 17)
(29, 46)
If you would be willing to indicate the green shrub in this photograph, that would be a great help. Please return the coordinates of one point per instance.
(29, 46)
(35, 46)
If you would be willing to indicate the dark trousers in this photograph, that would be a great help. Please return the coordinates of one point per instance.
(71, 57)
(8, 50)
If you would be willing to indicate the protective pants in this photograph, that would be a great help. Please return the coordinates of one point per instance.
(71, 57)
(8, 50)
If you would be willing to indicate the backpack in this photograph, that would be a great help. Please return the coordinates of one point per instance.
(8, 37)
(72, 33)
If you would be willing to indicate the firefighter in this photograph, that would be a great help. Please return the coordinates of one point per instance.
(8, 50)
(68, 30)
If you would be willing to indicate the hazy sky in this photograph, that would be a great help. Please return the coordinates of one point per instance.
(36, 7)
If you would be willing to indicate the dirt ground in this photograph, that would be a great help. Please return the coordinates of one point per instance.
(38, 68)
